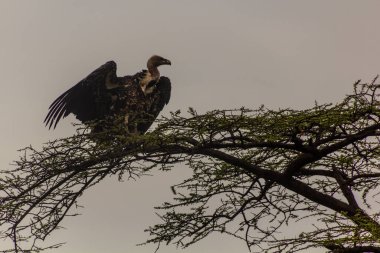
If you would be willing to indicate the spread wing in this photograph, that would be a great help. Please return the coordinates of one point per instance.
(159, 98)
(88, 100)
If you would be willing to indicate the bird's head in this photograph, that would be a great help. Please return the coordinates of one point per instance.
(156, 61)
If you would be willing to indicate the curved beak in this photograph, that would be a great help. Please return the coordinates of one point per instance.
(167, 62)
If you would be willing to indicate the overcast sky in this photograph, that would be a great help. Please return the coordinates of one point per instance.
(225, 54)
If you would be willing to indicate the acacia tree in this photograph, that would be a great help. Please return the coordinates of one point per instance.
(255, 172)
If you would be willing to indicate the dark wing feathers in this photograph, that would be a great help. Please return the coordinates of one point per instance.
(88, 100)
(102, 93)
(164, 87)
(158, 99)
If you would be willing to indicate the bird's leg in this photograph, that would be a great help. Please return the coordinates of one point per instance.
(130, 125)
(126, 119)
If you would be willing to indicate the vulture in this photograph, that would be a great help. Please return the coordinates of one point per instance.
(103, 100)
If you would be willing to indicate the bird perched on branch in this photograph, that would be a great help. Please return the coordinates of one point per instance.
(132, 101)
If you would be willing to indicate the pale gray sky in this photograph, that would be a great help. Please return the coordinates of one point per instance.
(225, 54)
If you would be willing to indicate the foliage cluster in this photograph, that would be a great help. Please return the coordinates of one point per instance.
(255, 172)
